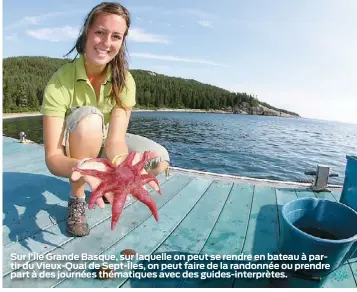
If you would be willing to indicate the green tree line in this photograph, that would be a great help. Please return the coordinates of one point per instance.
(24, 80)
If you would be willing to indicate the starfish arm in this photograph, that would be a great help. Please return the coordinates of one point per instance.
(128, 160)
(96, 194)
(143, 196)
(146, 178)
(141, 164)
(118, 205)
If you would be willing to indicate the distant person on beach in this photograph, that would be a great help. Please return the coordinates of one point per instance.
(87, 106)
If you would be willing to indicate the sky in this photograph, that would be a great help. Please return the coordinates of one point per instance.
(296, 55)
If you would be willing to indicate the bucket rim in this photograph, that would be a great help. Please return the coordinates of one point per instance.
(300, 232)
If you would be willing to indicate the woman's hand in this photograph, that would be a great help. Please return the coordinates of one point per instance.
(93, 182)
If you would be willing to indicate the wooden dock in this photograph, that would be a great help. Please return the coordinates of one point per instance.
(198, 214)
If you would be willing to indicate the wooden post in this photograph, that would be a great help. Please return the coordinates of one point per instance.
(321, 179)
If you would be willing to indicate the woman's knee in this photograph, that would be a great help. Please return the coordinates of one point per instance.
(89, 127)
(84, 133)
(86, 139)
(140, 144)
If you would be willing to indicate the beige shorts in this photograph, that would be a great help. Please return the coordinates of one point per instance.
(134, 142)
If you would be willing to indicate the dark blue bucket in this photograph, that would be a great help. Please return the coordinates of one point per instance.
(349, 191)
(313, 227)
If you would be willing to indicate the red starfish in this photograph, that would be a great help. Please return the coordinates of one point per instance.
(122, 180)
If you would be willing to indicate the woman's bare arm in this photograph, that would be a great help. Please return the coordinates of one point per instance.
(116, 141)
(56, 161)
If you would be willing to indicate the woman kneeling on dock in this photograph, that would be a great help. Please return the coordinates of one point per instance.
(87, 107)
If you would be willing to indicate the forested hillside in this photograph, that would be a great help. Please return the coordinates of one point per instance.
(24, 79)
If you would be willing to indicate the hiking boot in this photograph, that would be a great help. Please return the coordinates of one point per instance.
(76, 217)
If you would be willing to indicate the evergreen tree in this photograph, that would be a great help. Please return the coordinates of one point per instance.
(25, 78)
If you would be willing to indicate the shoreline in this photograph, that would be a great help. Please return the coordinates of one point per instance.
(19, 115)
(34, 114)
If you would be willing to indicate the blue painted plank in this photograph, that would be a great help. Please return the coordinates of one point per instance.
(101, 237)
(341, 278)
(130, 202)
(147, 237)
(325, 195)
(18, 148)
(337, 194)
(39, 167)
(24, 159)
(262, 222)
(353, 266)
(53, 237)
(45, 200)
(27, 226)
(21, 179)
(262, 234)
(191, 235)
(12, 146)
(228, 234)
(42, 235)
(304, 193)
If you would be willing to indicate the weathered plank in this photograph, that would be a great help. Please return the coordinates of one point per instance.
(325, 195)
(196, 217)
(100, 237)
(302, 193)
(31, 221)
(148, 236)
(228, 234)
(52, 237)
(262, 234)
(337, 194)
(190, 236)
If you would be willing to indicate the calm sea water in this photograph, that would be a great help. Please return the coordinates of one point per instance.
(254, 146)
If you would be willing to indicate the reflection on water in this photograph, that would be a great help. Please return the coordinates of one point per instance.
(255, 146)
(32, 126)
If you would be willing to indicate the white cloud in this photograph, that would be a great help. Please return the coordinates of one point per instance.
(67, 33)
(27, 20)
(175, 59)
(55, 34)
(205, 23)
(38, 19)
(139, 35)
